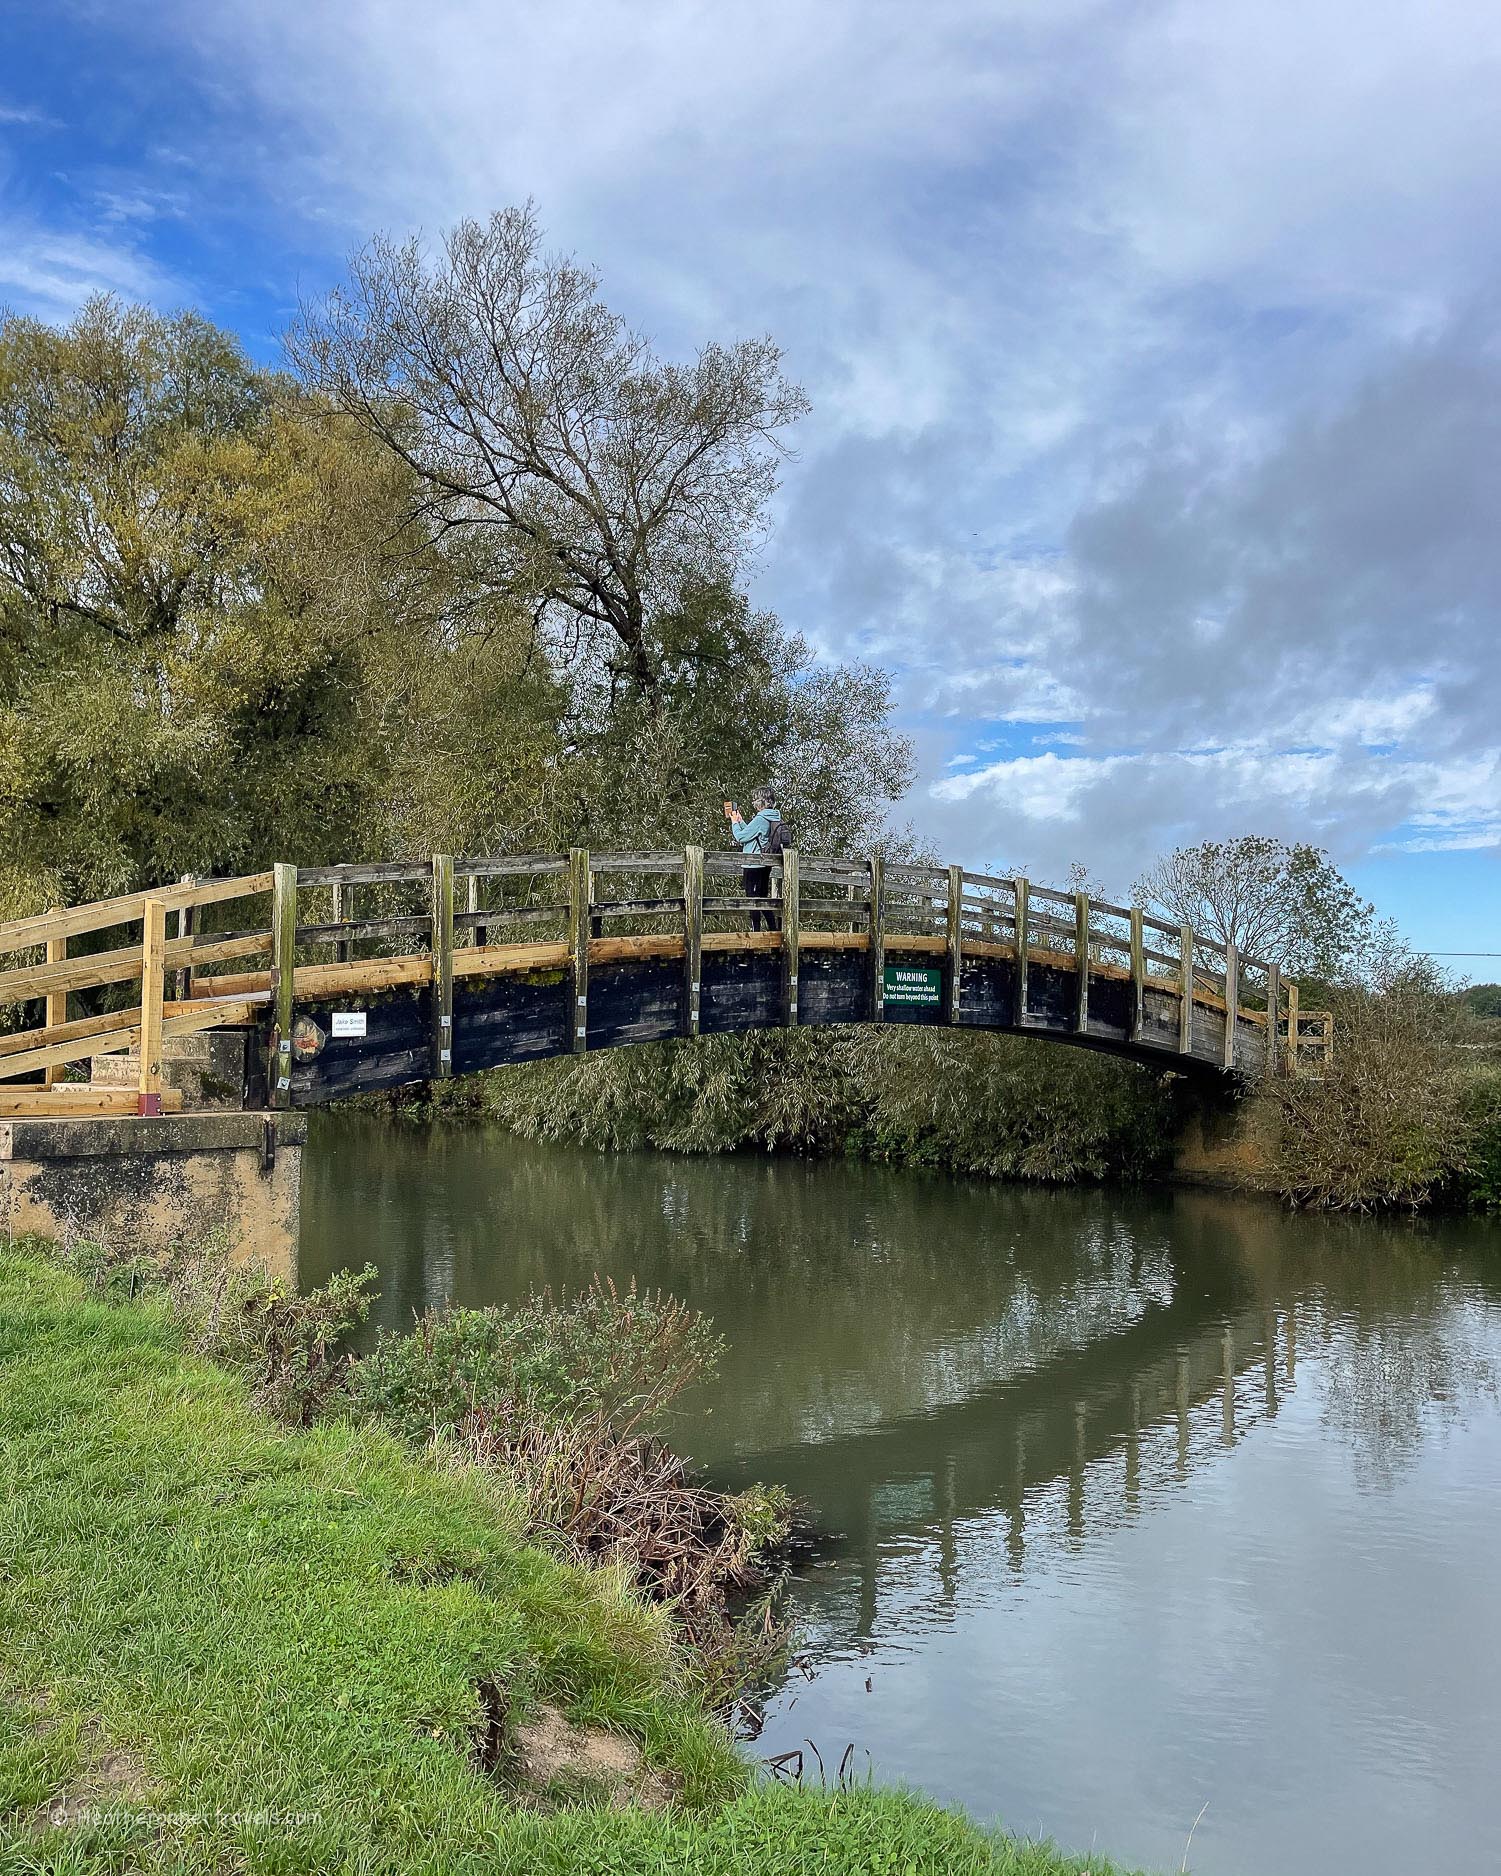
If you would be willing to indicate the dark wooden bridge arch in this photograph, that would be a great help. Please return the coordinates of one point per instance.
(385, 974)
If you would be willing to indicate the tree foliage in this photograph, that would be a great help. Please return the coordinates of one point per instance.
(603, 481)
(1285, 905)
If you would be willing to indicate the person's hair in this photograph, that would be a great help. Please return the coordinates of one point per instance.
(763, 797)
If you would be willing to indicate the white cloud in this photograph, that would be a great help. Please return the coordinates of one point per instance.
(1151, 395)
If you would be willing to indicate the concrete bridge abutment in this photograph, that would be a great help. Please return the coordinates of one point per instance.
(148, 1183)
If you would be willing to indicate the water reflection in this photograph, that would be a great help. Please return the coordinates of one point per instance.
(1141, 1499)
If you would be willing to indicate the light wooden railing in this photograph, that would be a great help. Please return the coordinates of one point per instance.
(385, 923)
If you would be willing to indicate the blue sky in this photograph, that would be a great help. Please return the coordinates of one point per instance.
(1152, 346)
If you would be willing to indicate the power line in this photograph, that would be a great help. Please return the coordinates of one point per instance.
(1462, 954)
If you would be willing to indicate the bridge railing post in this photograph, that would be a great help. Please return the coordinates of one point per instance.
(283, 978)
(1020, 893)
(1273, 1018)
(580, 895)
(57, 1000)
(1081, 960)
(693, 937)
(1185, 989)
(1232, 1001)
(791, 935)
(955, 938)
(153, 989)
(1138, 973)
(442, 950)
(187, 926)
(1292, 1028)
(877, 940)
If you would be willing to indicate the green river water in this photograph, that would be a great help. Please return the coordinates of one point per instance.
(1150, 1507)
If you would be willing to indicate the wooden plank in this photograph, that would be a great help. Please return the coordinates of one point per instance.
(283, 974)
(343, 908)
(369, 873)
(955, 938)
(745, 940)
(409, 925)
(153, 990)
(471, 920)
(48, 1055)
(928, 944)
(1185, 990)
(693, 935)
(791, 935)
(1081, 961)
(511, 866)
(638, 908)
(1021, 891)
(1292, 1028)
(79, 1099)
(442, 949)
(1232, 1002)
(657, 861)
(57, 1000)
(496, 959)
(580, 893)
(187, 925)
(831, 940)
(877, 939)
(1273, 1015)
(1138, 973)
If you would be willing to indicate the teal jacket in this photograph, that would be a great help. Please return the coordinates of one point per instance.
(752, 836)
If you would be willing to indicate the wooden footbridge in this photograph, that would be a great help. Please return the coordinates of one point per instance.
(377, 976)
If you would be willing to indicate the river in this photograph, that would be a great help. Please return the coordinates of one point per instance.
(1151, 1507)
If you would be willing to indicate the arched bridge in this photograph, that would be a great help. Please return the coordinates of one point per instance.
(381, 975)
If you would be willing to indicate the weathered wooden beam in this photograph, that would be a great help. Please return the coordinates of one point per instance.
(955, 938)
(791, 935)
(343, 908)
(580, 893)
(121, 966)
(1081, 955)
(57, 1000)
(877, 939)
(283, 977)
(78, 1099)
(1138, 973)
(1021, 889)
(187, 925)
(1232, 1001)
(1185, 990)
(693, 936)
(478, 933)
(442, 949)
(1273, 1017)
(153, 991)
(1292, 1028)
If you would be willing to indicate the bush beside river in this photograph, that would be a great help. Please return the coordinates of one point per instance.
(233, 1643)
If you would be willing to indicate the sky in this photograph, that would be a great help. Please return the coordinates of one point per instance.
(1153, 350)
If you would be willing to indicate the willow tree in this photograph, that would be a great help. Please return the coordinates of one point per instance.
(218, 643)
(603, 481)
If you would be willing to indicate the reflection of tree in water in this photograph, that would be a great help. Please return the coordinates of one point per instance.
(1406, 1343)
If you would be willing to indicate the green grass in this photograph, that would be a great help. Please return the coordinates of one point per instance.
(279, 1636)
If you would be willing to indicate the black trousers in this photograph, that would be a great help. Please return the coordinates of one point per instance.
(757, 883)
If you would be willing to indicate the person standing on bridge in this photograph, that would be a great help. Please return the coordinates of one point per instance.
(761, 834)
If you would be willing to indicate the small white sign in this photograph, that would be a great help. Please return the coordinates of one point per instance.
(349, 1022)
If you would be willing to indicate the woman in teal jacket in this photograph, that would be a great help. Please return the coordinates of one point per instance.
(756, 836)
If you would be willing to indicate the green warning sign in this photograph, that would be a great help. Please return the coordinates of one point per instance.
(914, 983)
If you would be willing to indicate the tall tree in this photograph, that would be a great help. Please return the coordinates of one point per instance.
(604, 479)
(1286, 904)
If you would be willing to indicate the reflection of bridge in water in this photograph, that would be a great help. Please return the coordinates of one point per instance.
(1057, 1452)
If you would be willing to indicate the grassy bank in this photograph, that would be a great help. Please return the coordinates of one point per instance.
(224, 1645)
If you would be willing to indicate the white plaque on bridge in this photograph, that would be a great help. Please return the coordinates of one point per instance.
(349, 1022)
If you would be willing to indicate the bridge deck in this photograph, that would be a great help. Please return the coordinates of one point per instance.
(407, 992)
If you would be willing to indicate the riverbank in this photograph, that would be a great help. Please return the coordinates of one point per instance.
(226, 1644)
